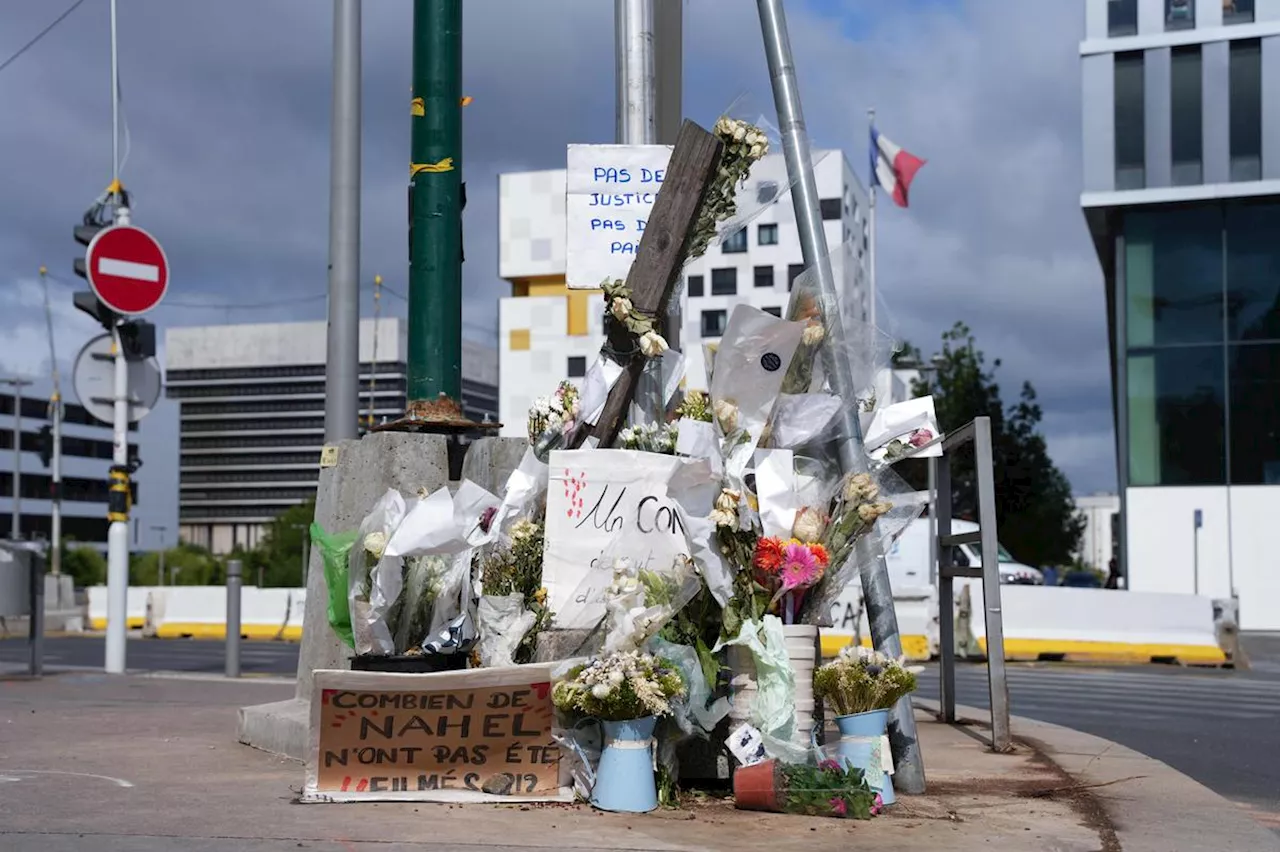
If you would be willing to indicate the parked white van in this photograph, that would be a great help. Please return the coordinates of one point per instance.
(908, 559)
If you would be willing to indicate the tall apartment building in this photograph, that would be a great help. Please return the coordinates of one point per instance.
(547, 332)
(1181, 120)
(86, 457)
(251, 415)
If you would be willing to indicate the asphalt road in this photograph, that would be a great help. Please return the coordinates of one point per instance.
(1221, 727)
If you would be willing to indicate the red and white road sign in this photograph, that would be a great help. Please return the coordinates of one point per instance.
(127, 269)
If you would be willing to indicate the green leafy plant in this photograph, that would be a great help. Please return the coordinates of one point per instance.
(516, 568)
(827, 789)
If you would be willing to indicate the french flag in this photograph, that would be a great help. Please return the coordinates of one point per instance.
(892, 167)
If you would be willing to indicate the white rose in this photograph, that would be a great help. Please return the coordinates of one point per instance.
(756, 152)
(727, 414)
(375, 543)
(616, 677)
(808, 526)
(722, 518)
(739, 133)
(728, 500)
(621, 308)
(601, 691)
(652, 344)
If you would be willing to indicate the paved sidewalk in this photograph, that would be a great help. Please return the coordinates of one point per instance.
(143, 764)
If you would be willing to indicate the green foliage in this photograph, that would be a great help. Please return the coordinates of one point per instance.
(184, 565)
(1037, 517)
(86, 565)
(827, 789)
(279, 552)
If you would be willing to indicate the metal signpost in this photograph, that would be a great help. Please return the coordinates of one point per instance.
(129, 274)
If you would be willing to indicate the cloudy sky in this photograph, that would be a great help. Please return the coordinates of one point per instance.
(227, 108)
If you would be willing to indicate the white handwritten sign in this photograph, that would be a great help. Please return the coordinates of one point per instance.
(604, 504)
(610, 193)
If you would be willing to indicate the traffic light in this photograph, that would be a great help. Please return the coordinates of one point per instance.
(84, 235)
(45, 444)
(85, 300)
(138, 337)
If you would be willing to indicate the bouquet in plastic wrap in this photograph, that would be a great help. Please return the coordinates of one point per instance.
(513, 605)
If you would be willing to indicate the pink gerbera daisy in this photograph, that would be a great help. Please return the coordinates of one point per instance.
(800, 568)
(839, 806)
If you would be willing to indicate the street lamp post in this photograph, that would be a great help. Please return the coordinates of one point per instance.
(15, 533)
(162, 529)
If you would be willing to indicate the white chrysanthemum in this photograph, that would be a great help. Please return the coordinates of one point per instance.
(726, 414)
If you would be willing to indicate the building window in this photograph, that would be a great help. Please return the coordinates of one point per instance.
(735, 243)
(1186, 120)
(695, 286)
(1237, 11)
(831, 208)
(767, 235)
(1255, 413)
(713, 323)
(766, 192)
(794, 271)
(1246, 109)
(577, 366)
(774, 309)
(1122, 17)
(764, 276)
(1130, 122)
(1179, 14)
(1253, 272)
(724, 282)
(1177, 417)
(1173, 277)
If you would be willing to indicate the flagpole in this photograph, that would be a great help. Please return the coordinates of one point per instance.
(871, 224)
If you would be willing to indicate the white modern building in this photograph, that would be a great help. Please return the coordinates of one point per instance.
(1181, 127)
(86, 459)
(1099, 542)
(548, 332)
(251, 415)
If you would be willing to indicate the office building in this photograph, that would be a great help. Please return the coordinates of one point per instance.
(1181, 121)
(548, 333)
(86, 459)
(251, 415)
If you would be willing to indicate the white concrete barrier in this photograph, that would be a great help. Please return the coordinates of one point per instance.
(135, 607)
(200, 612)
(915, 608)
(1055, 622)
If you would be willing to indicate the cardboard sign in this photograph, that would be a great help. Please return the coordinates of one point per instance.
(610, 191)
(482, 735)
(602, 505)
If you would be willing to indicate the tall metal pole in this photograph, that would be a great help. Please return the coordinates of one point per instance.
(55, 414)
(115, 104)
(636, 80)
(871, 229)
(373, 364)
(118, 514)
(813, 242)
(342, 365)
(435, 205)
(15, 530)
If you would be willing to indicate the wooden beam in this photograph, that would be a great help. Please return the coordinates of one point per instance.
(659, 259)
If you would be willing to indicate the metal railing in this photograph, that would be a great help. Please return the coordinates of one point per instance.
(978, 431)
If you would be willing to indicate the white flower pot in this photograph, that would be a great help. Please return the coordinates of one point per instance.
(801, 642)
(742, 683)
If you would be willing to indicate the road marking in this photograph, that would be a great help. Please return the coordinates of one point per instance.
(119, 782)
(129, 269)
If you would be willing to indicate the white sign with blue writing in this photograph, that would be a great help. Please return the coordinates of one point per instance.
(610, 193)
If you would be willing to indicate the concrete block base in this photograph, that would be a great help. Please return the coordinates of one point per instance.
(346, 492)
(280, 727)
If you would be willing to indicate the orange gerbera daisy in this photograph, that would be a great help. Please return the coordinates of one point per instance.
(768, 555)
(820, 553)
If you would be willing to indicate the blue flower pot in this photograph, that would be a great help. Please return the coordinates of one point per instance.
(624, 779)
(860, 738)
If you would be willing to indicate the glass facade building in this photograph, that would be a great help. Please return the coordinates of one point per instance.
(1181, 194)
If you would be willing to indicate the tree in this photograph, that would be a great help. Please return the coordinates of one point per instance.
(1037, 518)
(85, 565)
(184, 565)
(279, 552)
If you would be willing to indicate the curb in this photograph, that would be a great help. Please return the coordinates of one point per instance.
(1151, 806)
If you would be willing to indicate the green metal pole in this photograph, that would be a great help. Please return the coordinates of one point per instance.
(435, 203)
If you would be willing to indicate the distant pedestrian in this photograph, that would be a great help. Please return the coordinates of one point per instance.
(1113, 574)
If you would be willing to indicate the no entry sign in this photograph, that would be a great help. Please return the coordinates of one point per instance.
(127, 269)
